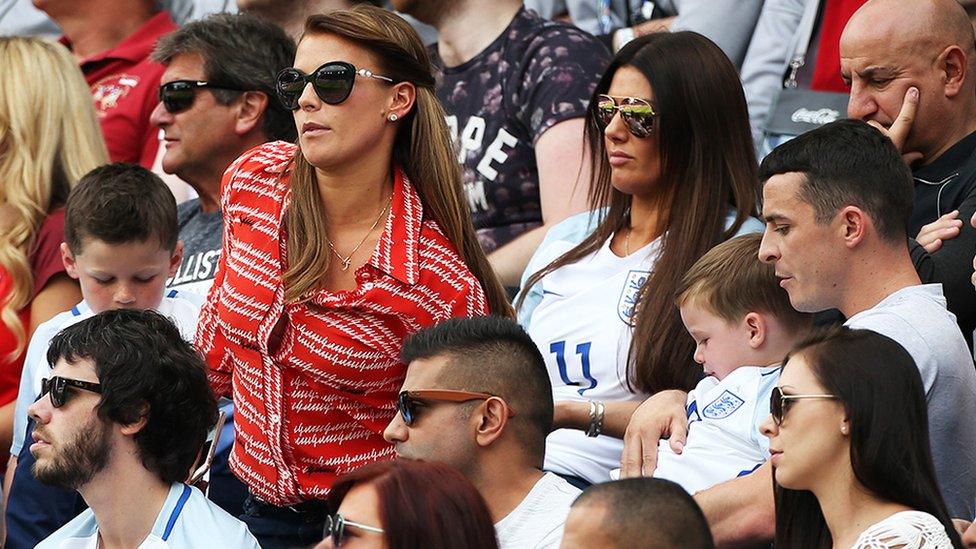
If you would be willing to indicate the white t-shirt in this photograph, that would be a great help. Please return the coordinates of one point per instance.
(180, 307)
(905, 530)
(538, 521)
(188, 520)
(580, 318)
(724, 441)
(916, 317)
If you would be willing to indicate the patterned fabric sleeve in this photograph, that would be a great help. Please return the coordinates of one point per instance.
(562, 68)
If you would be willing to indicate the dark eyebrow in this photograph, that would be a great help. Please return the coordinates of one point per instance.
(775, 217)
(872, 72)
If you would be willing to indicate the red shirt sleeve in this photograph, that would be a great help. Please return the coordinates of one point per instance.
(46, 256)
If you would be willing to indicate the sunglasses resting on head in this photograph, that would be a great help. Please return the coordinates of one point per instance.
(332, 82)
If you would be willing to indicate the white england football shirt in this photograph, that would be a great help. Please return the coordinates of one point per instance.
(583, 328)
(724, 441)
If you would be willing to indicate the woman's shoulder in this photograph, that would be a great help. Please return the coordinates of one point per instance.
(259, 171)
(905, 529)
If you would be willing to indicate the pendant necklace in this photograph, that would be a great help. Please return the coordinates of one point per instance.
(346, 260)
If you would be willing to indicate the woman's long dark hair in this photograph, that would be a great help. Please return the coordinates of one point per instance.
(708, 166)
(423, 504)
(878, 383)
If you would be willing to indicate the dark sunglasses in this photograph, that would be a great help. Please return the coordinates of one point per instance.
(332, 82)
(780, 403)
(178, 95)
(407, 400)
(57, 388)
(637, 113)
(335, 528)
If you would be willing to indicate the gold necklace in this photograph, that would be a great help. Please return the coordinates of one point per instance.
(627, 241)
(346, 260)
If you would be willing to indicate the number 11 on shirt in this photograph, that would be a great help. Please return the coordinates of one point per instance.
(558, 348)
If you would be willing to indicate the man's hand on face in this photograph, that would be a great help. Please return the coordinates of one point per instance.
(902, 126)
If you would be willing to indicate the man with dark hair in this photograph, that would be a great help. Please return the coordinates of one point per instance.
(478, 397)
(515, 88)
(111, 40)
(217, 101)
(122, 419)
(637, 512)
(910, 67)
(836, 202)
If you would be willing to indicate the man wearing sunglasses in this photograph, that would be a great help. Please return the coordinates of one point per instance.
(121, 419)
(477, 396)
(836, 202)
(515, 88)
(216, 101)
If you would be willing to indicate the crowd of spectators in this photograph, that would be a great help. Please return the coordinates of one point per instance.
(488, 273)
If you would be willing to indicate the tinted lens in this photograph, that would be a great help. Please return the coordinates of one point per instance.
(333, 82)
(776, 405)
(605, 108)
(405, 405)
(289, 84)
(176, 97)
(55, 389)
(638, 115)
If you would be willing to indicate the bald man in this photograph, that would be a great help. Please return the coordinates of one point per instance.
(910, 66)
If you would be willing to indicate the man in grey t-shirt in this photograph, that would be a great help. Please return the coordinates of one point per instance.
(205, 134)
(836, 202)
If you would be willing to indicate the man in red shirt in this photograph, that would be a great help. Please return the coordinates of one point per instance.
(112, 40)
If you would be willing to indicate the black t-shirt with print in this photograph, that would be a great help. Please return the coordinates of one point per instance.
(536, 74)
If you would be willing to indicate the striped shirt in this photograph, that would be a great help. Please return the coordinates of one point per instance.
(315, 406)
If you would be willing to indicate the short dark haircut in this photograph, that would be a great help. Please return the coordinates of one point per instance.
(120, 203)
(649, 512)
(492, 354)
(848, 162)
(145, 368)
(878, 383)
(239, 50)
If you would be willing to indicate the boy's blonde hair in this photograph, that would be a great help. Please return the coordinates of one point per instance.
(731, 281)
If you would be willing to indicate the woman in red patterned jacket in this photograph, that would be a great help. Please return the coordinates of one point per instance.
(334, 251)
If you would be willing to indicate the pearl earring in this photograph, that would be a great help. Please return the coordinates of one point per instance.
(393, 117)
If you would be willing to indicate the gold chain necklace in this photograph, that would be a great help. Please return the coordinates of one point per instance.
(346, 260)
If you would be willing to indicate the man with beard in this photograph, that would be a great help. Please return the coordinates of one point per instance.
(122, 419)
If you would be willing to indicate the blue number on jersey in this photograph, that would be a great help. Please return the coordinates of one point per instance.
(583, 350)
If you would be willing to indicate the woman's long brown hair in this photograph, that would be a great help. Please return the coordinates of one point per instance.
(423, 149)
(708, 166)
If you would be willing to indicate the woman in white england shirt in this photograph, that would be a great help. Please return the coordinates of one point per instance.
(675, 174)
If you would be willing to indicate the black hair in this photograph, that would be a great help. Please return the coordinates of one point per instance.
(649, 512)
(880, 388)
(492, 354)
(145, 368)
(120, 203)
(239, 50)
(848, 162)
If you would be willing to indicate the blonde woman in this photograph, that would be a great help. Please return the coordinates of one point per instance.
(334, 252)
(49, 138)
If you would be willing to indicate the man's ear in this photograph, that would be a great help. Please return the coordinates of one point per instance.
(131, 429)
(68, 259)
(953, 66)
(492, 419)
(176, 259)
(855, 224)
(251, 106)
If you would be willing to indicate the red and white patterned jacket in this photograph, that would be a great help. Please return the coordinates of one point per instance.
(315, 407)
